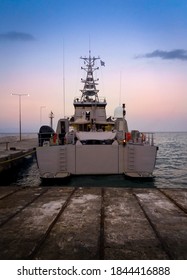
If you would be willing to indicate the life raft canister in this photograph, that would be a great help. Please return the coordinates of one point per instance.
(55, 138)
(127, 136)
(143, 137)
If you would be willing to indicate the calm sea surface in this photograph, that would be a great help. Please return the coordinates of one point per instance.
(171, 164)
(170, 171)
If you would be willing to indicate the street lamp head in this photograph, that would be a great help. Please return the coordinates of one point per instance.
(20, 94)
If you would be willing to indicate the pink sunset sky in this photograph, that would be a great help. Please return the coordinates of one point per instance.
(143, 44)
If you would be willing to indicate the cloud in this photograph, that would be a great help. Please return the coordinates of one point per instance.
(174, 54)
(16, 36)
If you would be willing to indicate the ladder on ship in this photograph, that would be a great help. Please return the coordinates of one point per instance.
(63, 159)
(131, 158)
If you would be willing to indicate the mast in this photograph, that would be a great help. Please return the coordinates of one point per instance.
(89, 92)
(90, 112)
(51, 116)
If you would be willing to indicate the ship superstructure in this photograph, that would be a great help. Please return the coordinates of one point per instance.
(90, 109)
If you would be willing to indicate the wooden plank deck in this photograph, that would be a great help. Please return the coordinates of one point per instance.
(92, 223)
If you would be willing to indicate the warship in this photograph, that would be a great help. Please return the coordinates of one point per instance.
(90, 143)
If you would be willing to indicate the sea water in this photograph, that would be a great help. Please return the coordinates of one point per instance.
(170, 170)
(16, 135)
(171, 164)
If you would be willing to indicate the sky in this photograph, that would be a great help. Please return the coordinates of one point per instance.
(142, 42)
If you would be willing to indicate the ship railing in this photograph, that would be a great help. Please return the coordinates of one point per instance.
(137, 137)
(100, 99)
(133, 137)
(6, 143)
(51, 139)
(44, 138)
(48, 139)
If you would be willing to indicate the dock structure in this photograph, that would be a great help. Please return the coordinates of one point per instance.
(12, 152)
(92, 223)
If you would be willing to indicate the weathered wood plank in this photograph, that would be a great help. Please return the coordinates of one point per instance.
(76, 233)
(179, 196)
(22, 233)
(5, 191)
(169, 221)
(128, 233)
(17, 200)
(93, 223)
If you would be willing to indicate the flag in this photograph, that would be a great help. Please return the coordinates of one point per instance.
(102, 63)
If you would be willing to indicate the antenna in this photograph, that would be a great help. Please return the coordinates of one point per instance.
(89, 46)
(64, 80)
(120, 90)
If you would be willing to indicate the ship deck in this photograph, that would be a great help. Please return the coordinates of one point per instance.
(92, 223)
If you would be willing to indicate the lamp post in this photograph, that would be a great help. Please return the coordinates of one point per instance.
(41, 107)
(20, 95)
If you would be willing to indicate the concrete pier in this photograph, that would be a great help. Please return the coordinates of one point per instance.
(92, 223)
(12, 151)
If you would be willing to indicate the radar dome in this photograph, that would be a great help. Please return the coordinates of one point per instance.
(118, 112)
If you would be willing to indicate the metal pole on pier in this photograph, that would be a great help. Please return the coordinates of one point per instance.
(20, 95)
(41, 107)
